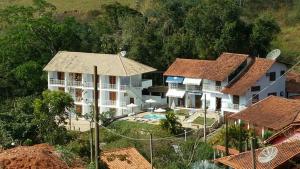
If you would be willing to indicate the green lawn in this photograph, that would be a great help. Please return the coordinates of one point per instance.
(200, 120)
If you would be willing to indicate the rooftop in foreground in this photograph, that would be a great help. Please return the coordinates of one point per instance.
(128, 158)
(286, 151)
(273, 112)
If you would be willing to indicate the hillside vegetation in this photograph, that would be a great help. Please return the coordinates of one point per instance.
(286, 13)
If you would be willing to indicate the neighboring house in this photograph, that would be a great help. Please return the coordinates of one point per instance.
(293, 85)
(119, 83)
(286, 157)
(127, 158)
(230, 83)
(272, 113)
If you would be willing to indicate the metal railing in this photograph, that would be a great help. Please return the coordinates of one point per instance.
(178, 87)
(57, 82)
(194, 88)
(74, 83)
(212, 88)
(108, 86)
(233, 106)
(109, 102)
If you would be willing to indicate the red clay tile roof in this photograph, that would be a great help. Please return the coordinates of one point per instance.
(293, 82)
(291, 129)
(217, 70)
(286, 151)
(255, 72)
(127, 158)
(272, 112)
(222, 148)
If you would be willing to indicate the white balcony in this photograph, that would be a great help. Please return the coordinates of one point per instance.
(57, 82)
(194, 88)
(146, 83)
(235, 107)
(74, 83)
(109, 103)
(108, 86)
(177, 87)
(212, 88)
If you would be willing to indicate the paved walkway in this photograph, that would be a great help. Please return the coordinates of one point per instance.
(79, 124)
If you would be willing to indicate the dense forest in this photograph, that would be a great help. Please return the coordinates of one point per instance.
(155, 35)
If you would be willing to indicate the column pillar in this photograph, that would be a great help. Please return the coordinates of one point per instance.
(118, 99)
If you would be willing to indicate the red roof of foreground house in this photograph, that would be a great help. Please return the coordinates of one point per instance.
(285, 132)
(217, 70)
(255, 72)
(272, 112)
(286, 151)
(127, 158)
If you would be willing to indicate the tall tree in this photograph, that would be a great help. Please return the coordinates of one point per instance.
(264, 31)
(50, 114)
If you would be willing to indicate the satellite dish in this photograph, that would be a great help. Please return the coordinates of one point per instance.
(274, 54)
(267, 154)
(123, 53)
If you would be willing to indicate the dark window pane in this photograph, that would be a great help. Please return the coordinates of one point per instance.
(255, 88)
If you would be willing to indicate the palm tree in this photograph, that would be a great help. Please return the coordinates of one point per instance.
(170, 123)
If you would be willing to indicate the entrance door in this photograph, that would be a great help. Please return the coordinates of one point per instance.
(218, 103)
(198, 102)
(131, 100)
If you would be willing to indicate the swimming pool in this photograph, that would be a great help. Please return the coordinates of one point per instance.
(154, 116)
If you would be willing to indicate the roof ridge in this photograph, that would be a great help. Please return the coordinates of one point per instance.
(119, 56)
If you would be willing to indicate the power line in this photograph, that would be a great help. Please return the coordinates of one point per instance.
(156, 139)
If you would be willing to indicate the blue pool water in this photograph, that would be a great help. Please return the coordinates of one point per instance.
(154, 116)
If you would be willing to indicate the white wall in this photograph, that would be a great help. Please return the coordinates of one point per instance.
(264, 82)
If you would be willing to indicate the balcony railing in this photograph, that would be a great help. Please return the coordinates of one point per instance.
(109, 102)
(180, 87)
(194, 88)
(57, 82)
(233, 106)
(108, 86)
(75, 83)
(212, 88)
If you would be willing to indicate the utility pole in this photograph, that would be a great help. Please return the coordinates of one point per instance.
(240, 136)
(96, 118)
(226, 135)
(205, 118)
(92, 140)
(151, 151)
(253, 152)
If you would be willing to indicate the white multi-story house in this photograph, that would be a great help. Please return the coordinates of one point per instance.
(230, 83)
(119, 83)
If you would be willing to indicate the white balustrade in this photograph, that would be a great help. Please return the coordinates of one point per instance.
(57, 82)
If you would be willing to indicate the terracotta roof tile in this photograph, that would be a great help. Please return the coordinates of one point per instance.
(217, 70)
(126, 158)
(286, 151)
(272, 112)
(255, 72)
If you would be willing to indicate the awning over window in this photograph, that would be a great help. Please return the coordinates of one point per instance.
(175, 79)
(192, 81)
(175, 93)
